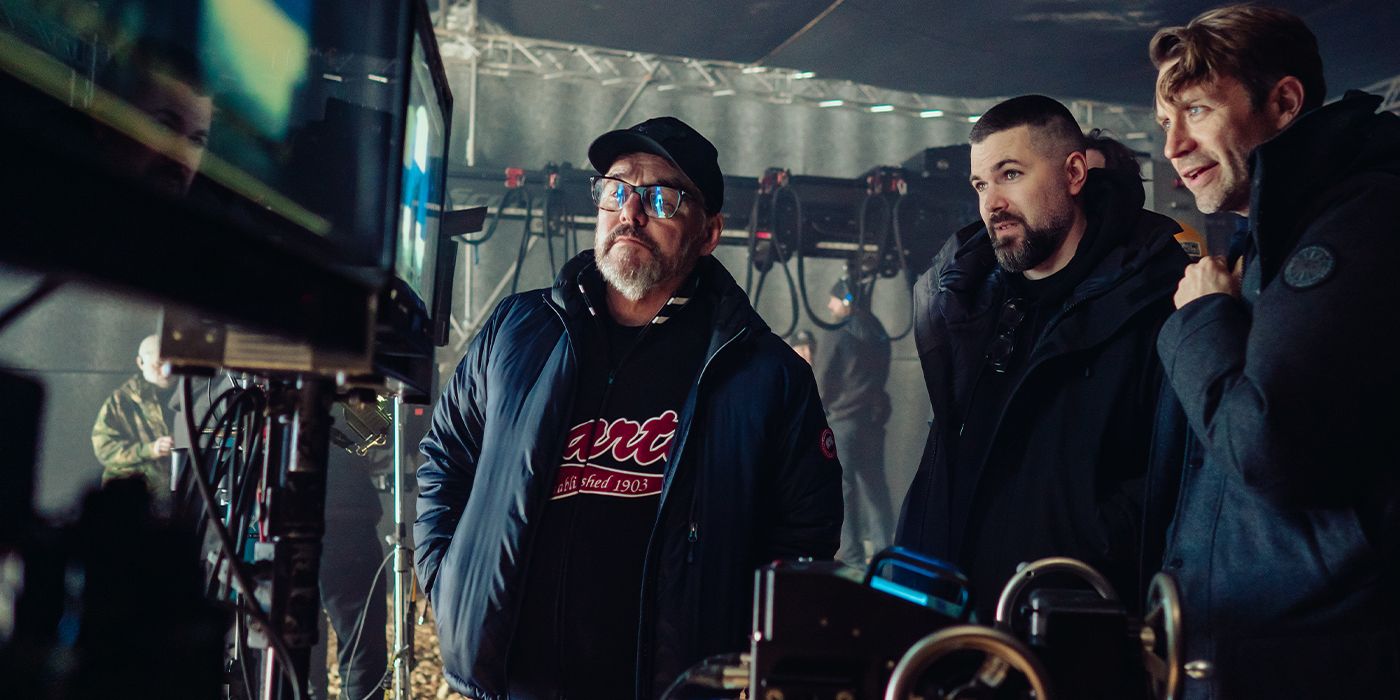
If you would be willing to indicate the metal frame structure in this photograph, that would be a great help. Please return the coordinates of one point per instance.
(466, 39)
(478, 47)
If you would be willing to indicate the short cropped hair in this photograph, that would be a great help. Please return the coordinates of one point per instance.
(1116, 156)
(1053, 128)
(1257, 46)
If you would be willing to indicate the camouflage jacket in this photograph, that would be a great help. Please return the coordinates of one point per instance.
(128, 422)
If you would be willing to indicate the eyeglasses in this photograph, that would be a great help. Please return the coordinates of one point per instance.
(660, 201)
(999, 353)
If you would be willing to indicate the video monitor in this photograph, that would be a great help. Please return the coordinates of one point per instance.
(424, 258)
(238, 156)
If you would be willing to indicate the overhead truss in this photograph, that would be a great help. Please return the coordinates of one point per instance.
(466, 41)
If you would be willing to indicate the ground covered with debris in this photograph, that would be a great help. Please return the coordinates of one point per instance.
(425, 681)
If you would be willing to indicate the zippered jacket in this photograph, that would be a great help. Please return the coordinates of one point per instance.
(128, 422)
(1286, 540)
(752, 477)
(1086, 406)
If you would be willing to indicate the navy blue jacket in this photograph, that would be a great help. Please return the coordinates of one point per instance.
(1285, 538)
(752, 477)
(1089, 400)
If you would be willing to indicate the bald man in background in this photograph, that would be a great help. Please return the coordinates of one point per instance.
(131, 437)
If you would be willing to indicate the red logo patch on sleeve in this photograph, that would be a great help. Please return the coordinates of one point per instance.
(828, 443)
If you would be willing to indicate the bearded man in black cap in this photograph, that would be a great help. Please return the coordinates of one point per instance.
(615, 455)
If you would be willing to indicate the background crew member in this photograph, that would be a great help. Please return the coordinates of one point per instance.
(131, 437)
(1035, 329)
(1285, 538)
(853, 366)
(1104, 151)
(615, 455)
(353, 571)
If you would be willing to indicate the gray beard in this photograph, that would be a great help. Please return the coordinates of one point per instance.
(631, 281)
(634, 279)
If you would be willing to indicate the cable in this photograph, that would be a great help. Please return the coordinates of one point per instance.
(573, 234)
(753, 243)
(792, 297)
(226, 457)
(909, 276)
(781, 260)
(379, 687)
(246, 590)
(45, 287)
(758, 290)
(783, 255)
(359, 627)
(524, 243)
(802, 269)
(547, 210)
(510, 194)
(204, 447)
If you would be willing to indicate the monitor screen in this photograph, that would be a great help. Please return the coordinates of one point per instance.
(252, 108)
(424, 177)
(242, 157)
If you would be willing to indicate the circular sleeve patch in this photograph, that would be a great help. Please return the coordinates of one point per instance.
(828, 442)
(1309, 267)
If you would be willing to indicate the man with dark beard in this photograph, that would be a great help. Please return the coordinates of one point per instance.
(1035, 329)
(616, 455)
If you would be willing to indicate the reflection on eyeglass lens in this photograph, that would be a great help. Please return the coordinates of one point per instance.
(660, 201)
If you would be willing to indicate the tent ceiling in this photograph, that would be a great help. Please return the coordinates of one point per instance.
(1073, 49)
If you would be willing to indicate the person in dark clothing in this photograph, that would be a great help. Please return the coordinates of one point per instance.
(1104, 151)
(614, 456)
(1288, 518)
(852, 370)
(354, 572)
(1035, 329)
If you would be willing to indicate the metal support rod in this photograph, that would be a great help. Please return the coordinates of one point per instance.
(403, 564)
(472, 83)
(631, 100)
(495, 294)
(468, 293)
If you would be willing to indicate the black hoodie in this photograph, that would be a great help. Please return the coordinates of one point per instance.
(1058, 462)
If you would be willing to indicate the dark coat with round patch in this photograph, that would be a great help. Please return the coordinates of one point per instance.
(1288, 518)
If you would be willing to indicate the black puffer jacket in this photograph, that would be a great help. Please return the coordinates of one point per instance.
(1287, 536)
(752, 477)
(1086, 406)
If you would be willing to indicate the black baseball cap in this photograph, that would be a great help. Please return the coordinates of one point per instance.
(672, 139)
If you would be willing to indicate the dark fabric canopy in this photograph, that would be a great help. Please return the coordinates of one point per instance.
(1072, 49)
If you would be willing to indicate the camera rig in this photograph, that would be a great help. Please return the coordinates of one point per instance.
(902, 630)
